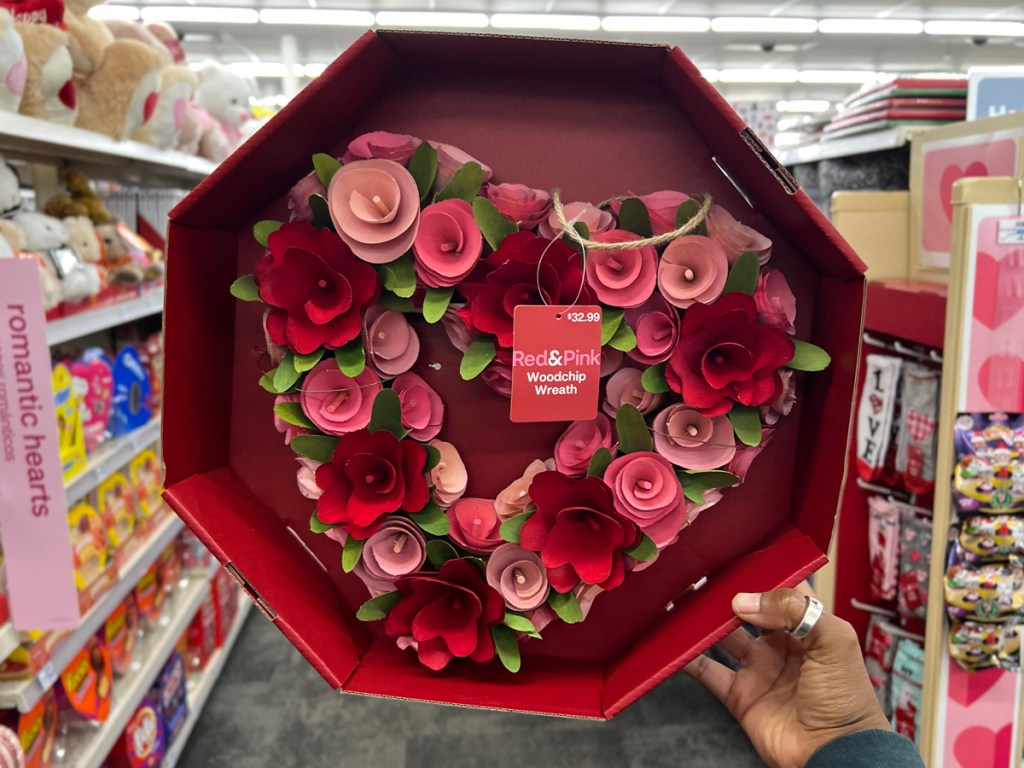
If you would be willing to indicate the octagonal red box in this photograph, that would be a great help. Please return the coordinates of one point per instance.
(596, 120)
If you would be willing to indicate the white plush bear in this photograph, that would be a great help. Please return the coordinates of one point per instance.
(48, 236)
(225, 97)
(13, 64)
(12, 242)
(83, 237)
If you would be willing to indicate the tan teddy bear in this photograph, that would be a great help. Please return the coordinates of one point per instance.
(49, 88)
(120, 95)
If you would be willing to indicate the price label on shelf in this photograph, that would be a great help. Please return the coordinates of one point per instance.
(47, 676)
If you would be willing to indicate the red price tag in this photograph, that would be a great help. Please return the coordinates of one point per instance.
(556, 363)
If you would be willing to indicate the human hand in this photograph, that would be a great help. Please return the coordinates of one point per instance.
(792, 697)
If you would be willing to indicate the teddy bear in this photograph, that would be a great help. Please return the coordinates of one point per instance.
(49, 92)
(13, 64)
(88, 37)
(82, 193)
(224, 97)
(13, 241)
(48, 236)
(120, 95)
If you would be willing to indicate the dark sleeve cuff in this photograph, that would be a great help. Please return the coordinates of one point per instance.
(867, 749)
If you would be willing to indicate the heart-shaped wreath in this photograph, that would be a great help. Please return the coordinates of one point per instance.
(697, 357)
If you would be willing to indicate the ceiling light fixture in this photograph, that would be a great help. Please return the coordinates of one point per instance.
(975, 28)
(711, 75)
(758, 75)
(314, 70)
(271, 69)
(769, 24)
(804, 105)
(569, 22)
(432, 19)
(656, 24)
(850, 76)
(185, 14)
(326, 17)
(870, 26)
(114, 13)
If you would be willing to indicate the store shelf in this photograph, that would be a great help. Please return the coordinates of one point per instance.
(201, 685)
(89, 750)
(859, 144)
(109, 458)
(912, 310)
(84, 323)
(31, 138)
(23, 694)
(8, 640)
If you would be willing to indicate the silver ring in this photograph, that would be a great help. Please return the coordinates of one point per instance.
(810, 619)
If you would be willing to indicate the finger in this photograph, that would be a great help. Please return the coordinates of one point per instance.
(716, 677)
(805, 588)
(738, 644)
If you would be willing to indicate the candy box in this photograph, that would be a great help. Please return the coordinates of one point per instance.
(142, 745)
(595, 120)
(170, 697)
(87, 681)
(117, 506)
(225, 597)
(95, 573)
(120, 632)
(150, 596)
(147, 479)
(37, 731)
(201, 636)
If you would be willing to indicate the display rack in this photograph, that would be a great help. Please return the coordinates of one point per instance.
(8, 639)
(858, 144)
(93, 320)
(110, 457)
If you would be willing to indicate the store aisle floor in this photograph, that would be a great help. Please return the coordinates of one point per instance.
(270, 709)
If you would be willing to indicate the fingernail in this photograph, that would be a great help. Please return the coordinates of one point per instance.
(747, 602)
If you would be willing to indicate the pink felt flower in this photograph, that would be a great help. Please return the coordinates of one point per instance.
(622, 278)
(576, 446)
(514, 499)
(459, 334)
(298, 197)
(655, 323)
(596, 219)
(305, 478)
(711, 497)
(772, 413)
(519, 576)
(691, 440)
(422, 408)
(448, 243)
(392, 345)
(382, 144)
(498, 374)
(661, 208)
(646, 491)
(692, 269)
(735, 238)
(449, 476)
(474, 525)
(337, 403)
(375, 207)
(520, 204)
(625, 387)
(397, 549)
(290, 431)
(745, 455)
(611, 360)
(776, 304)
(449, 160)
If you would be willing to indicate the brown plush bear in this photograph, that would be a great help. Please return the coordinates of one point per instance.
(120, 95)
(89, 37)
(82, 193)
(49, 88)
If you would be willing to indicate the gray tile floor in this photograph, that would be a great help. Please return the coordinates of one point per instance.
(271, 709)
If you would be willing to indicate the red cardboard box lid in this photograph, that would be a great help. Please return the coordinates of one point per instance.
(596, 120)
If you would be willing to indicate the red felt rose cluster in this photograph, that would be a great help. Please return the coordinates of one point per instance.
(697, 360)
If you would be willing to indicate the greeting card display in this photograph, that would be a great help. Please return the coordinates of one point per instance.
(365, 402)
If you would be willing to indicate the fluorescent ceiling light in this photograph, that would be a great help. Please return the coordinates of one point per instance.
(655, 24)
(272, 69)
(318, 16)
(837, 76)
(769, 24)
(787, 123)
(431, 19)
(200, 15)
(975, 28)
(803, 105)
(571, 22)
(711, 75)
(870, 26)
(114, 13)
(758, 75)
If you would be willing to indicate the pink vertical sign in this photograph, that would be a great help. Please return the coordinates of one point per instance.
(33, 504)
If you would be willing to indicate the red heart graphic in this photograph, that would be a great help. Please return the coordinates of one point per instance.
(1001, 379)
(981, 747)
(876, 404)
(991, 274)
(952, 174)
(965, 688)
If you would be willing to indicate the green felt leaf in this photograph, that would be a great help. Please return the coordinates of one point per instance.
(244, 289)
(350, 554)
(304, 363)
(507, 647)
(746, 423)
(696, 483)
(316, 447)
(653, 379)
(267, 381)
(423, 167)
(316, 525)
(433, 457)
(519, 623)
(397, 303)
(687, 211)
(645, 551)
(387, 414)
(285, 375)
(464, 185)
(351, 358)
(611, 318)
(493, 226)
(378, 607)
(321, 212)
(632, 430)
(623, 339)
(743, 275)
(293, 414)
(432, 519)
(583, 231)
(566, 607)
(440, 552)
(510, 529)
(399, 276)
(435, 302)
(633, 217)
(477, 357)
(599, 462)
(262, 230)
(325, 167)
(808, 357)
(479, 563)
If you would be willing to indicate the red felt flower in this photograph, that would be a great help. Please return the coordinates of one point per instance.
(369, 477)
(510, 277)
(724, 356)
(577, 531)
(316, 288)
(448, 614)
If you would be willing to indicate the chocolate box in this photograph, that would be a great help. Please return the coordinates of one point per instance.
(596, 120)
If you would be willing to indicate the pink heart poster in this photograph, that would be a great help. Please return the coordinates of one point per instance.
(980, 709)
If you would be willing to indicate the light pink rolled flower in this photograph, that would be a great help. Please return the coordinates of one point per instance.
(623, 278)
(448, 243)
(458, 332)
(397, 549)
(337, 403)
(449, 477)
(375, 207)
(422, 408)
(711, 497)
(692, 269)
(776, 304)
(290, 431)
(691, 440)
(498, 373)
(382, 144)
(772, 413)
(661, 208)
(655, 324)
(522, 205)
(646, 490)
(585, 596)
(298, 197)
(576, 446)
(392, 346)
(306, 478)
(597, 220)
(519, 576)
(514, 499)
(475, 525)
(736, 238)
(611, 360)
(449, 160)
(745, 455)
(274, 351)
(625, 387)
